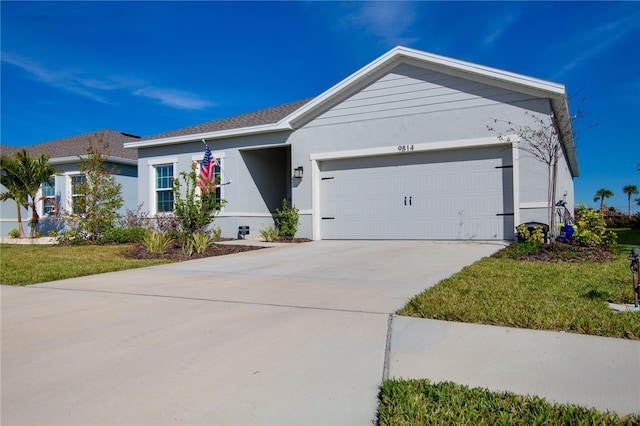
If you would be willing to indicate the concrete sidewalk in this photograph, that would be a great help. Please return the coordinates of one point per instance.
(584, 370)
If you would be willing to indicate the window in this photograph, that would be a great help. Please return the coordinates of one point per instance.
(48, 196)
(77, 198)
(164, 188)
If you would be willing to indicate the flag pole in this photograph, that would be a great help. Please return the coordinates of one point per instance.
(219, 165)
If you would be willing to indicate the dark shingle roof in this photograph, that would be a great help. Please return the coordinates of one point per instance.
(251, 119)
(74, 146)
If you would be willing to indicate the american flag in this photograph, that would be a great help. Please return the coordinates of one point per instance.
(207, 180)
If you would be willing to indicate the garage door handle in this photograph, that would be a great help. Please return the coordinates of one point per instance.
(405, 201)
(410, 201)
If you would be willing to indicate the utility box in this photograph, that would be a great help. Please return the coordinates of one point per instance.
(242, 231)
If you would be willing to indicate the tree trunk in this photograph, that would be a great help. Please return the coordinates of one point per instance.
(34, 219)
(20, 227)
(554, 185)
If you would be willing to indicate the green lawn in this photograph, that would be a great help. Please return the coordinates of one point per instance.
(32, 264)
(419, 402)
(570, 297)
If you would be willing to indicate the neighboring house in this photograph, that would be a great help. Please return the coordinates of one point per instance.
(398, 150)
(57, 194)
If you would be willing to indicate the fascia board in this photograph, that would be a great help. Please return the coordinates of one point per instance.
(243, 131)
(561, 111)
(346, 84)
(75, 159)
(484, 71)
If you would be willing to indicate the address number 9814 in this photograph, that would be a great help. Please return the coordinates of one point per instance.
(405, 148)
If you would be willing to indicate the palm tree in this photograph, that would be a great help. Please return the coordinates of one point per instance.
(27, 174)
(601, 194)
(8, 166)
(630, 190)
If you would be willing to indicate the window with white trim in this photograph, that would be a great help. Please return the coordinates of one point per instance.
(164, 187)
(77, 198)
(48, 190)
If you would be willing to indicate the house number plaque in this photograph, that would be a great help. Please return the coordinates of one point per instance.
(405, 148)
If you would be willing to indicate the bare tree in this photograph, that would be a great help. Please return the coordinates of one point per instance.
(542, 139)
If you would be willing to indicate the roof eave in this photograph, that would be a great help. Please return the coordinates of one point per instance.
(560, 108)
(231, 133)
(76, 158)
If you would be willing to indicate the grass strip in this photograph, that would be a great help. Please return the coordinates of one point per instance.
(31, 264)
(570, 297)
(419, 402)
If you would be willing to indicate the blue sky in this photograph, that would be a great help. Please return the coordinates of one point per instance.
(149, 67)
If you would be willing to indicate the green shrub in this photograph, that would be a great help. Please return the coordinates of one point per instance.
(39, 234)
(193, 212)
(201, 241)
(535, 236)
(156, 242)
(72, 237)
(217, 233)
(14, 233)
(52, 233)
(592, 230)
(270, 234)
(123, 235)
(288, 220)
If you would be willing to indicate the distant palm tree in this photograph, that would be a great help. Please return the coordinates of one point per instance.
(630, 190)
(26, 174)
(14, 190)
(601, 194)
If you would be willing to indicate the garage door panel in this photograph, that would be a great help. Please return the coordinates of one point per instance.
(427, 195)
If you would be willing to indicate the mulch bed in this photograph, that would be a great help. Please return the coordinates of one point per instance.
(560, 253)
(174, 251)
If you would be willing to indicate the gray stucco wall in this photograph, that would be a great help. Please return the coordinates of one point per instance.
(255, 176)
(126, 177)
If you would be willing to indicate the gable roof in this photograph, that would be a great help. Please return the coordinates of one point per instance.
(303, 111)
(68, 149)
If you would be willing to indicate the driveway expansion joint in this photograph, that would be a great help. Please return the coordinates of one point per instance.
(387, 349)
(203, 299)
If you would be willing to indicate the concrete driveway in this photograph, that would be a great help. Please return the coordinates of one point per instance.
(294, 334)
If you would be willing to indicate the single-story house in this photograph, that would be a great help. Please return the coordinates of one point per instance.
(57, 194)
(400, 149)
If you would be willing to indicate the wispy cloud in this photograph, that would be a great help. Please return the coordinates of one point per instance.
(64, 79)
(499, 25)
(98, 88)
(391, 21)
(174, 98)
(596, 41)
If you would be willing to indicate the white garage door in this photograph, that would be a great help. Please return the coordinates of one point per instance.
(448, 195)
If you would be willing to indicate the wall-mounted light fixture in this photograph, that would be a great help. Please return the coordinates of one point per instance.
(298, 172)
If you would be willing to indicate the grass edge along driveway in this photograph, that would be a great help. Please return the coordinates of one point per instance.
(568, 297)
(32, 264)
